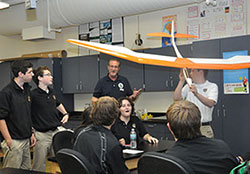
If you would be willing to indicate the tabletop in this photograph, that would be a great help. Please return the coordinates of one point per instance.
(162, 146)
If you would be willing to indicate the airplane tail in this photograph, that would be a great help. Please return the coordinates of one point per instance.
(176, 35)
(178, 54)
(173, 36)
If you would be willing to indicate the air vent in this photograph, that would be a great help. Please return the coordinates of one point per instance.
(39, 32)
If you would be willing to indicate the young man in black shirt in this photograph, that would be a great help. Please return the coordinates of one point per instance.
(15, 117)
(97, 143)
(203, 155)
(45, 116)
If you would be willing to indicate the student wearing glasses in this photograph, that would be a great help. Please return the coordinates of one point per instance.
(45, 116)
(114, 85)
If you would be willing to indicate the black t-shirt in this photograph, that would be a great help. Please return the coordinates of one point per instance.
(107, 87)
(15, 109)
(44, 111)
(89, 144)
(122, 130)
(205, 155)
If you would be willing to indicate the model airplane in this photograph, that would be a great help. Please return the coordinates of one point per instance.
(236, 62)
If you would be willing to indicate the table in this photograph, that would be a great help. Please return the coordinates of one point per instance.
(131, 160)
(19, 171)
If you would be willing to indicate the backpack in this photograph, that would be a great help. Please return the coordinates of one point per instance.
(243, 168)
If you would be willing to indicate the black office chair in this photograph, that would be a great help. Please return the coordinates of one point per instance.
(73, 162)
(63, 139)
(162, 163)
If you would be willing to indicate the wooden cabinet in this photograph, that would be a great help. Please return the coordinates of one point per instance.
(235, 108)
(5, 72)
(158, 78)
(80, 74)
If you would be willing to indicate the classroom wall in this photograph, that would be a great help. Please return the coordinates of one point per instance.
(151, 101)
(152, 22)
(13, 46)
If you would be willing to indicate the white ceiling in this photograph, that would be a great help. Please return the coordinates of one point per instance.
(74, 12)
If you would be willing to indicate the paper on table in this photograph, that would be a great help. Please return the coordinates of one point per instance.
(132, 151)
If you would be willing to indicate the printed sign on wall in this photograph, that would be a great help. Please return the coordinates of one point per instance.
(166, 28)
(235, 81)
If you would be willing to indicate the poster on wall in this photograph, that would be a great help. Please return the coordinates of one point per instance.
(166, 28)
(235, 81)
(193, 25)
(94, 32)
(106, 32)
(227, 18)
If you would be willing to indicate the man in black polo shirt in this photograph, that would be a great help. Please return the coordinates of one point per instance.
(114, 85)
(15, 117)
(45, 118)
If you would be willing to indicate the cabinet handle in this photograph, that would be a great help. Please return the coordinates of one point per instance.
(171, 83)
(80, 85)
(224, 112)
(218, 113)
(167, 83)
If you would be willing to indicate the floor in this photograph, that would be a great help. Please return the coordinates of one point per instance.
(51, 167)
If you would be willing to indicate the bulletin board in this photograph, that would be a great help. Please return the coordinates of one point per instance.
(227, 18)
(106, 32)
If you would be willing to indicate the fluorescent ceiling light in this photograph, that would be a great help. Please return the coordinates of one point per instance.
(4, 5)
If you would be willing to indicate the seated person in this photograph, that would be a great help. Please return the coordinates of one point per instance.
(97, 143)
(126, 121)
(203, 155)
(86, 121)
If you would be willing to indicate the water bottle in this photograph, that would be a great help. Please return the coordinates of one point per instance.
(133, 144)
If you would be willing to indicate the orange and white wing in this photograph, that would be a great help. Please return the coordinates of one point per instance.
(236, 62)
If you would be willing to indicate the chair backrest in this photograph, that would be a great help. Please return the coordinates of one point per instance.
(63, 139)
(162, 163)
(73, 162)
